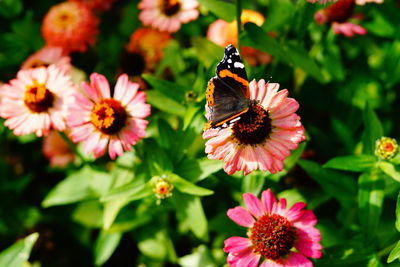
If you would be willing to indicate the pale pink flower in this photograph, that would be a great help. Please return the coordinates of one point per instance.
(100, 121)
(56, 150)
(363, 2)
(276, 235)
(167, 15)
(36, 101)
(341, 17)
(263, 137)
(348, 29)
(46, 56)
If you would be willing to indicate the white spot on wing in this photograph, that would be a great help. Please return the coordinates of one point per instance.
(238, 65)
(229, 60)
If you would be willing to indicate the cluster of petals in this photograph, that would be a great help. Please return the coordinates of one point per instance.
(70, 25)
(46, 56)
(286, 131)
(37, 101)
(167, 15)
(340, 16)
(224, 33)
(149, 44)
(305, 239)
(97, 5)
(119, 122)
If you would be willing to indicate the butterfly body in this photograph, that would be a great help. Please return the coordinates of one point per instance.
(227, 93)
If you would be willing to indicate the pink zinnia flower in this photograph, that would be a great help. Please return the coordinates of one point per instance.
(263, 137)
(100, 121)
(167, 15)
(70, 25)
(339, 16)
(36, 101)
(277, 236)
(56, 150)
(46, 56)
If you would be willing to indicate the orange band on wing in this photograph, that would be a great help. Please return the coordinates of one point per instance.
(210, 93)
(231, 117)
(227, 73)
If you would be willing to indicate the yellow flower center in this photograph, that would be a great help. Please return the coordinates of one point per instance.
(109, 116)
(38, 98)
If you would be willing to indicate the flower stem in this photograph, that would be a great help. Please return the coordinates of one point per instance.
(239, 21)
(72, 146)
(386, 250)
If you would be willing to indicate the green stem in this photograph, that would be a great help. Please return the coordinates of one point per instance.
(239, 21)
(72, 146)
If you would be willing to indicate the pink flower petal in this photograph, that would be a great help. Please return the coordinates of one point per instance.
(268, 200)
(295, 259)
(240, 216)
(236, 244)
(253, 204)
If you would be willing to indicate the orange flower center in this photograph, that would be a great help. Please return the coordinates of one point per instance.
(36, 63)
(169, 7)
(253, 127)
(109, 116)
(272, 236)
(38, 98)
(389, 147)
(65, 18)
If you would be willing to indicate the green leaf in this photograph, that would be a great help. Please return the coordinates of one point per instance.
(398, 213)
(158, 246)
(372, 130)
(395, 253)
(253, 183)
(187, 187)
(390, 169)
(370, 197)
(18, 253)
(300, 58)
(279, 13)
(191, 214)
(131, 191)
(332, 182)
(171, 89)
(89, 213)
(10, 8)
(201, 256)
(165, 103)
(295, 55)
(74, 188)
(220, 8)
(105, 245)
(356, 163)
(207, 51)
(257, 38)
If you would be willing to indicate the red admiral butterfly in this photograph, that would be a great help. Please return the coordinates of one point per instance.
(227, 93)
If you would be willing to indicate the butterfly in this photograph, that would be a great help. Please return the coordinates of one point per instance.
(227, 93)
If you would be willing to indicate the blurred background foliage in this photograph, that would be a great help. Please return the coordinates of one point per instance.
(104, 213)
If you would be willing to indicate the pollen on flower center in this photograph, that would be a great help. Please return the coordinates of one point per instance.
(65, 19)
(38, 98)
(169, 7)
(109, 116)
(254, 126)
(272, 236)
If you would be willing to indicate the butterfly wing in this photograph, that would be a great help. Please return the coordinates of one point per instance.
(227, 92)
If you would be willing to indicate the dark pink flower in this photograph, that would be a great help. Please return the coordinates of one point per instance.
(277, 236)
